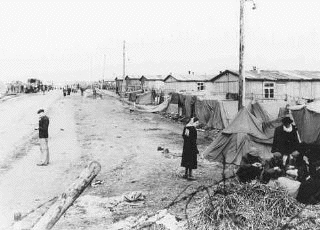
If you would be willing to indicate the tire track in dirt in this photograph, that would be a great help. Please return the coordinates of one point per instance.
(27, 143)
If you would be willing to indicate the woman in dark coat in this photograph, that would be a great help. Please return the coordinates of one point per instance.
(190, 149)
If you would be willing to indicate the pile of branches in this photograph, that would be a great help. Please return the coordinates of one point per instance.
(245, 206)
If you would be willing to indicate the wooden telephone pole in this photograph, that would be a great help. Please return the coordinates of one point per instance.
(124, 59)
(104, 70)
(241, 57)
(242, 79)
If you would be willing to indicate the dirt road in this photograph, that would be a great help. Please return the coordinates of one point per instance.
(18, 120)
(125, 143)
(23, 184)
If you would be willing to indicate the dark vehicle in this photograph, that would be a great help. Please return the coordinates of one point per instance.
(33, 85)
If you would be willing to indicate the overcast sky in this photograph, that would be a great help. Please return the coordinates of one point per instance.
(68, 40)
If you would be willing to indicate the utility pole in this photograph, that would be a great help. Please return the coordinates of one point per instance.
(242, 81)
(91, 71)
(104, 69)
(124, 59)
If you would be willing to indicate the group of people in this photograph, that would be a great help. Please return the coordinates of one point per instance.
(285, 160)
(288, 167)
(66, 91)
(289, 163)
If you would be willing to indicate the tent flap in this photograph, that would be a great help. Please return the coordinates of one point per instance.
(144, 98)
(308, 124)
(234, 141)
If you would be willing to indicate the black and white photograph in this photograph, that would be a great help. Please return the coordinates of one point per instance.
(169, 115)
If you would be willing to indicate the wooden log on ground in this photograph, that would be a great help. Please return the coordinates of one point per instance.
(28, 220)
(50, 218)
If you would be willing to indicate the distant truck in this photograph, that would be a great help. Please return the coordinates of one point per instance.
(33, 85)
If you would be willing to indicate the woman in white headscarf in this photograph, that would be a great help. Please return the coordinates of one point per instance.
(190, 149)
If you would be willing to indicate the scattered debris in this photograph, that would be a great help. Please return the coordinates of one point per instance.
(134, 196)
(160, 148)
(201, 130)
(170, 154)
(96, 183)
(161, 220)
(152, 129)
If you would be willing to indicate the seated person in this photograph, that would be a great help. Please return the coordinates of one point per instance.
(250, 166)
(309, 190)
(311, 157)
(273, 168)
(297, 167)
(306, 192)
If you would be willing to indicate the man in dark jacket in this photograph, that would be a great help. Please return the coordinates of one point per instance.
(285, 139)
(43, 138)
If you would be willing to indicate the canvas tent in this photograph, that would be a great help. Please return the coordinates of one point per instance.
(154, 109)
(232, 143)
(145, 98)
(307, 120)
(132, 96)
(268, 123)
(210, 113)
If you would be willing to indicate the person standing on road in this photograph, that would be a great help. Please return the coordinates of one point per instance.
(43, 138)
(190, 149)
(94, 93)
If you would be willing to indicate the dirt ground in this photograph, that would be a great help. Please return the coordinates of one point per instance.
(125, 144)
